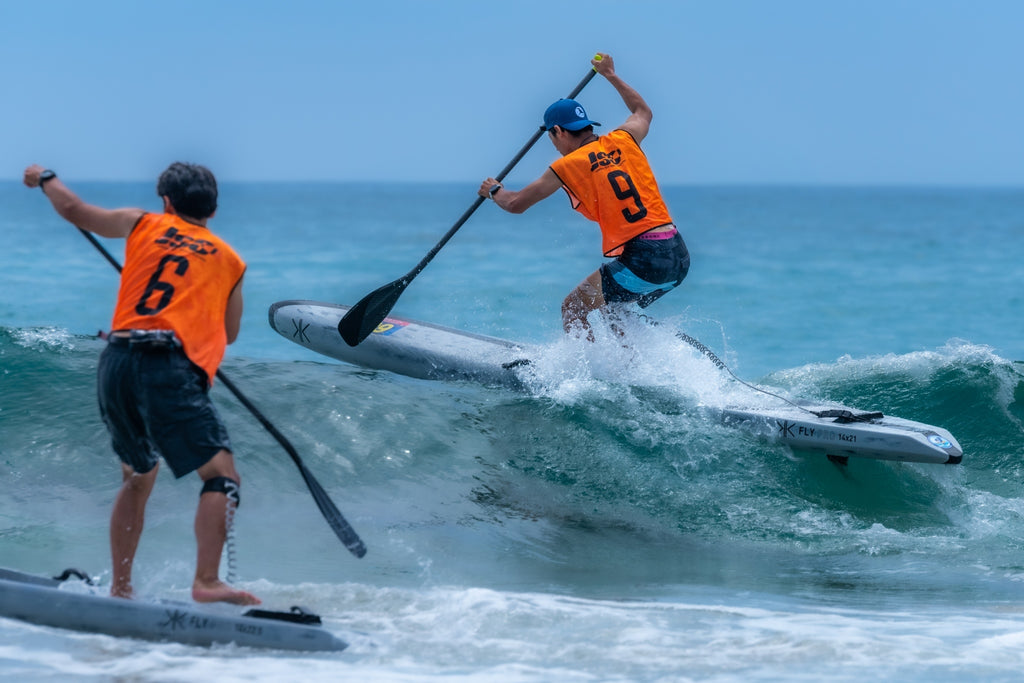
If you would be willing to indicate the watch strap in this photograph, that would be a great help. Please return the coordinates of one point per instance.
(44, 176)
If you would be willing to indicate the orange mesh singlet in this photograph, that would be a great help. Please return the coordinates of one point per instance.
(178, 276)
(610, 181)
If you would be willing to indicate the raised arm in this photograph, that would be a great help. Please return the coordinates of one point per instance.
(640, 114)
(103, 222)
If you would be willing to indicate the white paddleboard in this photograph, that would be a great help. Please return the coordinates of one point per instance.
(428, 351)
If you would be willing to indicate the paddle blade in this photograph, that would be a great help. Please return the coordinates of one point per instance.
(363, 318)
(335, 519)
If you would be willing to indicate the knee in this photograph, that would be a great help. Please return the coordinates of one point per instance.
(578, 305)
(570, 306)
(220, 465)
(573, 314)
(138, 481)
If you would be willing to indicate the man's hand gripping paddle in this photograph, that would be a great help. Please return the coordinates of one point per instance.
(363, 318)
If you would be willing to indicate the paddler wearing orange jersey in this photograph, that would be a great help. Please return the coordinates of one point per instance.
(167, 258)
(179, 305)
(608, 180)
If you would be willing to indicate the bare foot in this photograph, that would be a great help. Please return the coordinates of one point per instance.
(126, 593)
(218, 591)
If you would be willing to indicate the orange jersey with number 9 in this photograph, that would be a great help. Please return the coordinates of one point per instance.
(178, 276)
(609, 181)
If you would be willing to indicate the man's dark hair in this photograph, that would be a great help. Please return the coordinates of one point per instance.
(191, 188)
(587, 130)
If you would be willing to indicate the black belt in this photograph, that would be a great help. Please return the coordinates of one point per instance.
(145, 340)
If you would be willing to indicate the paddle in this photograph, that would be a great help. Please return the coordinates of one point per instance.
(370, 311)
(328, 509)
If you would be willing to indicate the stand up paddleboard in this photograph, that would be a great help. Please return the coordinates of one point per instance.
(428, 351)
(41, 600)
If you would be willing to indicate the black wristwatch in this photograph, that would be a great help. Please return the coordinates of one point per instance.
(44, 176)
(494, 190)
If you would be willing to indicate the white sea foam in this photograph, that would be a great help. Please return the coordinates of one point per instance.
(448, 634)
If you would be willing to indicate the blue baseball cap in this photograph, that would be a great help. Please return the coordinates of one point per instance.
(567, 114)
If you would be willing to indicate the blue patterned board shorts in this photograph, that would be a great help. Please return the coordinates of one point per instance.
(646, 270)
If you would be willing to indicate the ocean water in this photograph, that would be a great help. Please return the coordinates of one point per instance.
(595, 528)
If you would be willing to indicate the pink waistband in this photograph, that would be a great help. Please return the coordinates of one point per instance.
(658, 236)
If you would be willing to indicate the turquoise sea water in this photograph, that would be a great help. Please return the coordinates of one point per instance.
(594, 529)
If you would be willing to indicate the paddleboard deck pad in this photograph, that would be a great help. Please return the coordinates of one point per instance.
(42, 600)
(428, 351)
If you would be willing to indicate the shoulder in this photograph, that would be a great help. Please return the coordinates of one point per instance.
(623, 134)
(145, 221)
(146, 218)
(118, 222)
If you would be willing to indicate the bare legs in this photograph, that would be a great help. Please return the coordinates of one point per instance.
(126, 523)
(211, 531)
(581, 301)
(126, 526)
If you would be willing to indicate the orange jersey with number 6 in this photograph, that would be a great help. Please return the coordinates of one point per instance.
(178, 276)
(610, 181)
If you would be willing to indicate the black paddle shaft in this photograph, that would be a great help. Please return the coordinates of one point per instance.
(363, 318)
(328, 509)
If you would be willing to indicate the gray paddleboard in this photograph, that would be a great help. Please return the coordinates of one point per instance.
(428, 351)
(41, 600)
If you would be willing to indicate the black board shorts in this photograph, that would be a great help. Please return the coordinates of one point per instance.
(156, 402)
(646, 270)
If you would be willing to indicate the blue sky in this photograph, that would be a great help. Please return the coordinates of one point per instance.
(779, 91)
